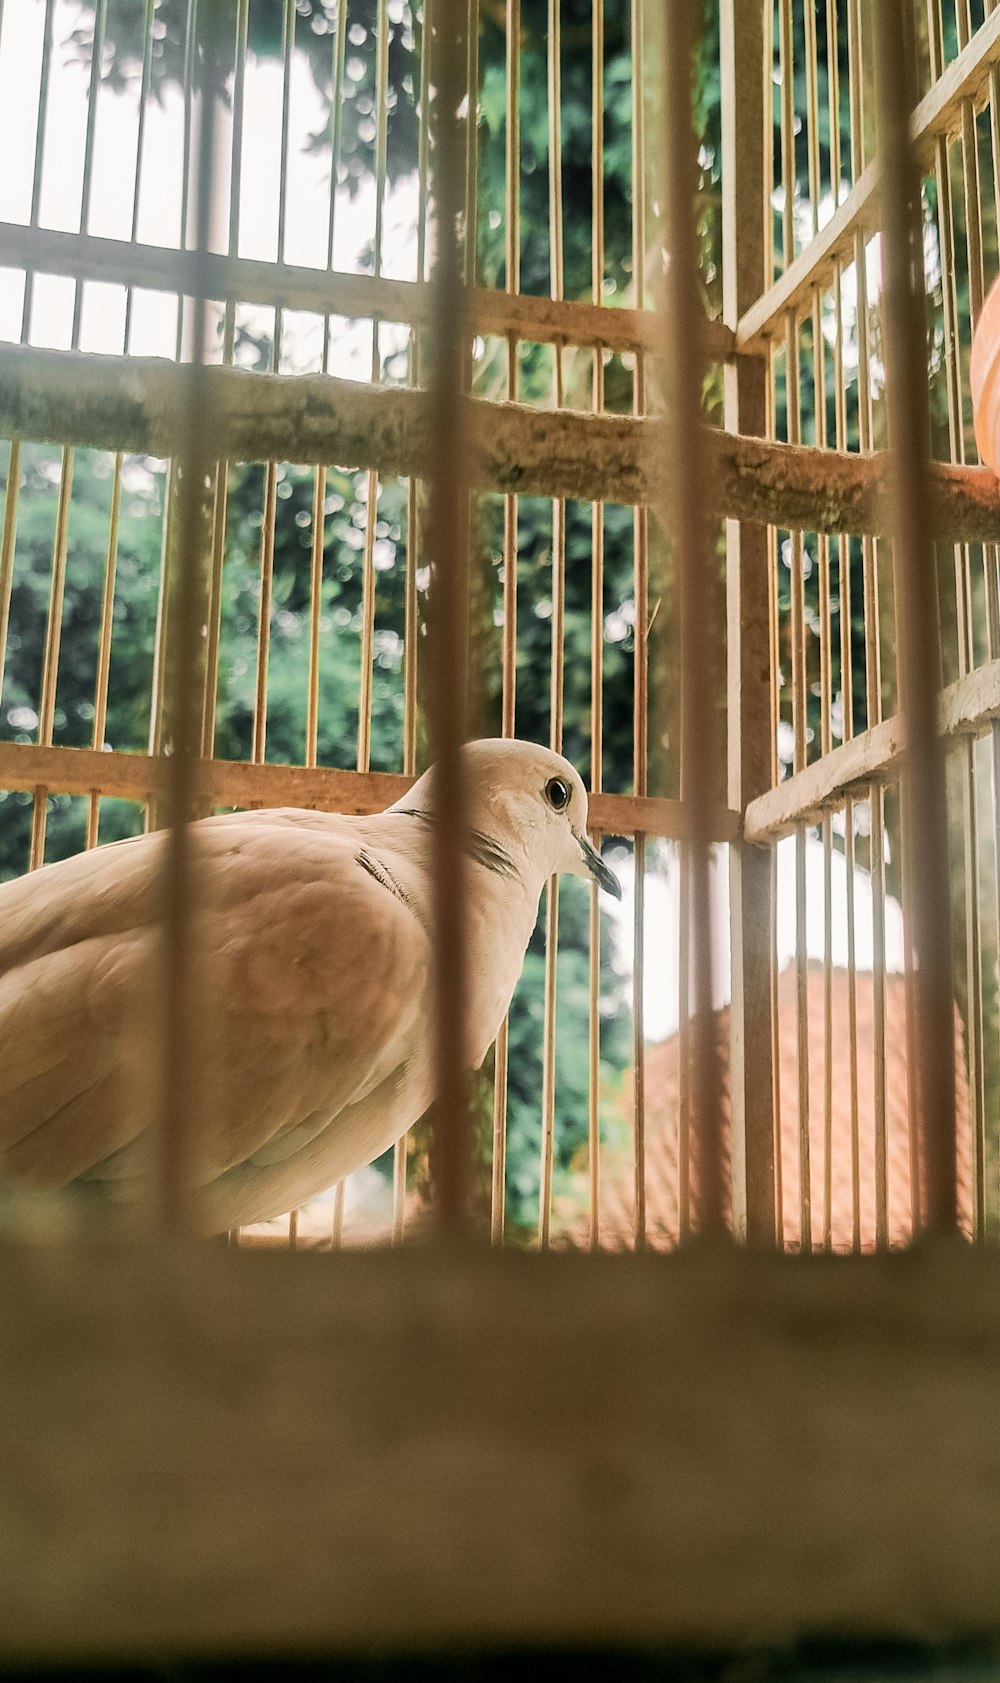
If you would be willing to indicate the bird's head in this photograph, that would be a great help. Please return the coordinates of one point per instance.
(526, 803)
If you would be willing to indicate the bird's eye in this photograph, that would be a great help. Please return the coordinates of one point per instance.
(557, 793)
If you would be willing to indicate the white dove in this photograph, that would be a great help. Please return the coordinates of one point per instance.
(314, 945)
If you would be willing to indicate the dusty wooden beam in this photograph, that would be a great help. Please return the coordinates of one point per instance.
(136, 405)
(801, 487)
(939, 112)
(247, 280)
(966, 708)
(140, 777)
(208, 1453)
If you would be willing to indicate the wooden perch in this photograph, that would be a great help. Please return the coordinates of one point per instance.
(114, 403)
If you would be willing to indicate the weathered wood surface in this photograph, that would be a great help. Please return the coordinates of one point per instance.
(966, 708)
(210, 1452)
(132, 404)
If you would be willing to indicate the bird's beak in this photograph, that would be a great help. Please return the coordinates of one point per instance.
(597, 868)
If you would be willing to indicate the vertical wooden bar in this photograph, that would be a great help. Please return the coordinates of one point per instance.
(547, 1162)
(799, 635)
(699, 668)
(766, 193)
(512, 282)
(448, 661)
(53, 628)
(140, 148)
(220, 491)
(825, 619)
(640, 688)
(158, 687)
(104, 645)
(366, 682)
(8, 534)
(596, 634)
(950, 299)
(833, 88)
(319, 486)
(918, 628)
(182, 1091)
(745, 85)
(847, 728)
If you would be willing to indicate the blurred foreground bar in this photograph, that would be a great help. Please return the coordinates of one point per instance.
(215, 1454)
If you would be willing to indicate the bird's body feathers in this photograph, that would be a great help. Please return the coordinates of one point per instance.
(312, 1009)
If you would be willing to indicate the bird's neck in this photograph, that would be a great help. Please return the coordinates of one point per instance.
(502, 890)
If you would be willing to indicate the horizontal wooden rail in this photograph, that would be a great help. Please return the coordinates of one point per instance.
(141, 406)
(140, 777)
(247, 280)
(228, 1454)
(940, 112)
(967, 708)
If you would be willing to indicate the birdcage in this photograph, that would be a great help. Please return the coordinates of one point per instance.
(378, 374)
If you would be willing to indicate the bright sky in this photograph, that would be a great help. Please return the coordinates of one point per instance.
(159, 220)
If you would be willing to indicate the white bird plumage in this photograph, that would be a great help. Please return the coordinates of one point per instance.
(314, 948)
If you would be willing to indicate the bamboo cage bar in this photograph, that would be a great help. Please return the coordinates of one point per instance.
(752, 734)
(269, 523)
(145, 82)
(60, 541)
(909, 422)
(553, 69)
(103, 675)
(508, 695)
(874, 687)
(411, 608)
(856, 269)
(596, 637)
(963, 569)
(44, 72)
(845, 598)
(270, 510)
(449, 662)
(698, 663)
(640, 678)
(825, 617)
(50, 656)
(319, 515)
(364, 745)
(184, 323)
(8, 534)
(183, 1083)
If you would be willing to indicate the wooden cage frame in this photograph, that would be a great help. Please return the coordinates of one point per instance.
(225, 1454)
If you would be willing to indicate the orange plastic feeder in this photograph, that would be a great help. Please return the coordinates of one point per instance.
(984, 377)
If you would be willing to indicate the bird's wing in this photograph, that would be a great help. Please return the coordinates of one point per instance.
(316, 1157)
(313, 979)
(114, 888)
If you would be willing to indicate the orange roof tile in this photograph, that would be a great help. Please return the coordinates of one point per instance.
(662, 1118)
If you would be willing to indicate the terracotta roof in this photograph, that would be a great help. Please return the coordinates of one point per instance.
(370, 1217)
(662, 1112)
